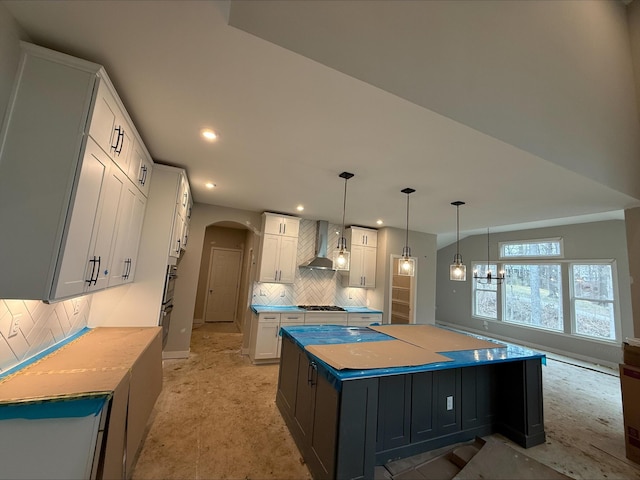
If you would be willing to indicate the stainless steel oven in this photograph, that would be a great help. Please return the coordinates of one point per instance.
(167, 301)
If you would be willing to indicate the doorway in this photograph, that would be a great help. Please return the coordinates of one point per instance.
(402, 297)
(223, 285)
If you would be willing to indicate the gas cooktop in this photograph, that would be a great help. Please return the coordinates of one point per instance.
(322, 308)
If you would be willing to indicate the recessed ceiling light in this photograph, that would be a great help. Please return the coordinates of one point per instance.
(209, 185)
(300, 208)
(209, 134)
(379, 222)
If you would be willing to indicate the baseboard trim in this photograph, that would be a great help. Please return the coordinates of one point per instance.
(175, 354)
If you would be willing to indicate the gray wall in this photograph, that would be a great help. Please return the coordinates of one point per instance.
(423, 247)
(598, 241)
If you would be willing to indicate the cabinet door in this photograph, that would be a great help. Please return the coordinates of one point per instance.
(287, 320)
(77, 264)
(269, 258)
(356, 267)
(363, 320)
(287, 259)
(176, 235)
(120, 257)
(291, 226)
(272, 224)
(281, 225)
(364, 236)
(103, 120)
(369, 267)
(135, 231)
(267, 340)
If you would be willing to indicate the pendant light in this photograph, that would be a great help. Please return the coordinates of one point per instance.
(407, 265)
(457, 270)
(341, 256)
(489, 278)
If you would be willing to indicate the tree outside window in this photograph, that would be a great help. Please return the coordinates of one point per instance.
(593, 301)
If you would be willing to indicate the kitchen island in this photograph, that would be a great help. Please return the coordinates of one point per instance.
(347, 421)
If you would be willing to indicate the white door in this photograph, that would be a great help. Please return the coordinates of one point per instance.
(223, 285)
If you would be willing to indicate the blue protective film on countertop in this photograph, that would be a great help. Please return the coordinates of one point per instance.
(361, 310)
(335, 334)
(60, 408)
(275, 308)
(44, 353)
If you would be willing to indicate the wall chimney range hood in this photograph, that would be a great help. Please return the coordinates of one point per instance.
(320, 261)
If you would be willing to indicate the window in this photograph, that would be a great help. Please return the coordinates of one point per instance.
(533, 295)
(593, 300)
(485, 296)
(548, 247)
(542, 290)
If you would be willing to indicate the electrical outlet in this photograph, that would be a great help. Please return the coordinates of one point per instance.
(76, 307)
(450, 402)
(262, 294)
(15, 325)
(486, 325)
(282, 293)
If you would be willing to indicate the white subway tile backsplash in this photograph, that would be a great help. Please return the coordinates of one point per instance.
(40, 325)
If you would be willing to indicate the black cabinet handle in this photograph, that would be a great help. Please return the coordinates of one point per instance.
(178, 249)
(93, 269)
(310, 369)
(120, 141)
(95, 280)
(117, 138)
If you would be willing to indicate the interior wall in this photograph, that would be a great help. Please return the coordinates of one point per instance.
(423, 248)
(633, 16)
(599, 240)
(632, 224)
(202, 216)
(219, 237)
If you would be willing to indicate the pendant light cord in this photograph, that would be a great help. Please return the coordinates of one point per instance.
(344, 208)
(457, 231)
(406, 239)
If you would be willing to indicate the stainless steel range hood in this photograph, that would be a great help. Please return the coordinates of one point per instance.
(320, 261)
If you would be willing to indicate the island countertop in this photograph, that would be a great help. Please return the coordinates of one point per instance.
(296, 309)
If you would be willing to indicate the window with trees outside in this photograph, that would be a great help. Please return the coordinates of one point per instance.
(543, 290)
(592, 298)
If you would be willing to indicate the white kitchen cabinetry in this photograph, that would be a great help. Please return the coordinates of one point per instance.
(278, 255)
(286, 320)
(140, 168)
(325, 318)
(127, 241)
(60, 190)
(363, 319)
(281, 225)
(362, 269)
(182, 213)
(110, 127)
(264, 336)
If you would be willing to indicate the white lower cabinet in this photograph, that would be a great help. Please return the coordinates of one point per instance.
(264, 336)
(286, 320)
(325, 318)
(363, 320)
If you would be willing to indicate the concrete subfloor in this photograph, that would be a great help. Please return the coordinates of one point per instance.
(216, 418)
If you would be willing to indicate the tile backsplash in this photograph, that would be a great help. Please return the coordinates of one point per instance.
(39, 326)
(311, 287)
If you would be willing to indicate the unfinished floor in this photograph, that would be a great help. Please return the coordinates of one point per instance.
(216, 418)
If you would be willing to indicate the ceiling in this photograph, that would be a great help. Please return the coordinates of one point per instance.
(289, 125)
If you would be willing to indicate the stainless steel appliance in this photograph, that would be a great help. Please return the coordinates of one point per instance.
(167, 301)
(322, 308)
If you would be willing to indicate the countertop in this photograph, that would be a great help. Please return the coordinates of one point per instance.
(294, 308)
(334, 334)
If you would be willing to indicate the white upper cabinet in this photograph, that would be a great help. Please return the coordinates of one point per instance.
(362, 269)
(63, 177)
(281, 225)
(182, 215)
(140, 168)
(363, 236)
(278, 255)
